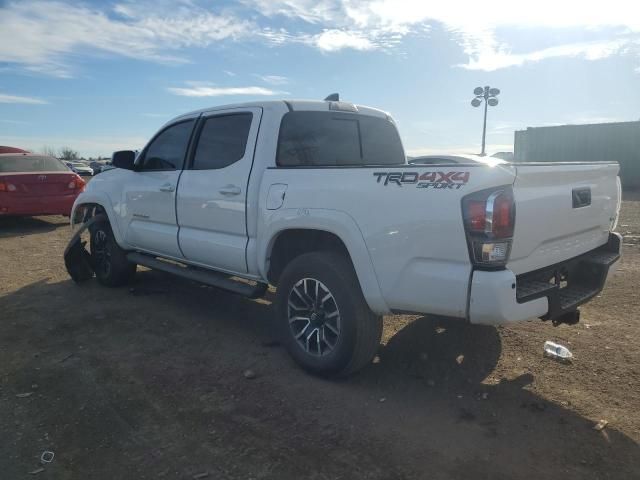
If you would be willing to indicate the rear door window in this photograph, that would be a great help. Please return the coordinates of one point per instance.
(337, 139)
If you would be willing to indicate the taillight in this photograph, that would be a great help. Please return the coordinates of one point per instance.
(489, 219)
(476, 215)
(7, 187)
(76, 184)
(502, 214)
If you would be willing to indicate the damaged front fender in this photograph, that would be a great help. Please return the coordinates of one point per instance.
(77, 259)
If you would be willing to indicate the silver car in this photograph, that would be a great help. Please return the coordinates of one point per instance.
(80, 168)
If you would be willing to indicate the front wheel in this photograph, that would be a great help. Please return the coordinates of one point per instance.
(325, 321)
(109, 261)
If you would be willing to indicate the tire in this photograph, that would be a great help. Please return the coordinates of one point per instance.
(109, 261)
(318, 339)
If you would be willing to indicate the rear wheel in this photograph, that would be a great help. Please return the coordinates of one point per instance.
(325, 321)
(109, 261)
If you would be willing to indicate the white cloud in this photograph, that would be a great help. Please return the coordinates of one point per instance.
(502, 127)
(273, 79)
(494, 59)
(312, 11)
(332, 40)
(463, 16)
(197, 90)
(45, 36)
(41, 36)
(475, 27)
(4, 98)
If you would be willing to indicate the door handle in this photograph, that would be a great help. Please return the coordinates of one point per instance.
(167, 187)
(230, 190)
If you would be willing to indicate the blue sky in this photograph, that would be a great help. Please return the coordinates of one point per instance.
(102, 76)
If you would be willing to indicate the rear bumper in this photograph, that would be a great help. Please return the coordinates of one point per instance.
(25, 206)
(502, 297)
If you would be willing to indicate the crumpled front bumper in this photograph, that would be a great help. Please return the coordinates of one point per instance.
(76, 258)
(549, 293)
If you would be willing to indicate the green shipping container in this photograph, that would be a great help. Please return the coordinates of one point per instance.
(617, 142)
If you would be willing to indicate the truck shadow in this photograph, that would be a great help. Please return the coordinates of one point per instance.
(160, 363)
(21, 226)
(441, 351)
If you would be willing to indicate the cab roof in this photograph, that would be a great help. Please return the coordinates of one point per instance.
(292, 105)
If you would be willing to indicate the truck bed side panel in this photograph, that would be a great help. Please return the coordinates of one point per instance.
(410, 219)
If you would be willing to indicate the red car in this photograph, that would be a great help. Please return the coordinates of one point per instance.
(32, 184)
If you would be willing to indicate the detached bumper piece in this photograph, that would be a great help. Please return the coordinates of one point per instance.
(571, 283)
(76, 258)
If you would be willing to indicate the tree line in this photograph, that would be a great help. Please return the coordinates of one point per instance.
(63, 153)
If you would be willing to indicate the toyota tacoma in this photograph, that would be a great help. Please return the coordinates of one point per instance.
(317, 199)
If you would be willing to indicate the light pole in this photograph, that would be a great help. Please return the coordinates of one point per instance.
(489, 95)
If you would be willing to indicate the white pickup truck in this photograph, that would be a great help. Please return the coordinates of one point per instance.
(317, 199)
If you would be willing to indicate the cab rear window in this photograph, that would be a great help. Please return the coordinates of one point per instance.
(337, 139)
(30, 163)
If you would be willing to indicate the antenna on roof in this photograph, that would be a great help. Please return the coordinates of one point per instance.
(334, 97)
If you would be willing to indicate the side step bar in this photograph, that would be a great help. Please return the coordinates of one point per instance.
(200, 275)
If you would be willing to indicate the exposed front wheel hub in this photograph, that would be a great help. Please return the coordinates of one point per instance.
(101, 252)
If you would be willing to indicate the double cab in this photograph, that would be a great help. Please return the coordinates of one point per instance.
(317, 199)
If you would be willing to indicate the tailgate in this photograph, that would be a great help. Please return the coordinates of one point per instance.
(562, 210)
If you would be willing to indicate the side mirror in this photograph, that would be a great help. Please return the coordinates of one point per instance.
(123, 159)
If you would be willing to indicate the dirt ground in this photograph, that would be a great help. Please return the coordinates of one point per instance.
(147, 382)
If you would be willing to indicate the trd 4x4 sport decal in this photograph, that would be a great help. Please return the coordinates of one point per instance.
(437, 180)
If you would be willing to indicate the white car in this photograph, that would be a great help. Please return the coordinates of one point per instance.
(316, 198)
(79, 168)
